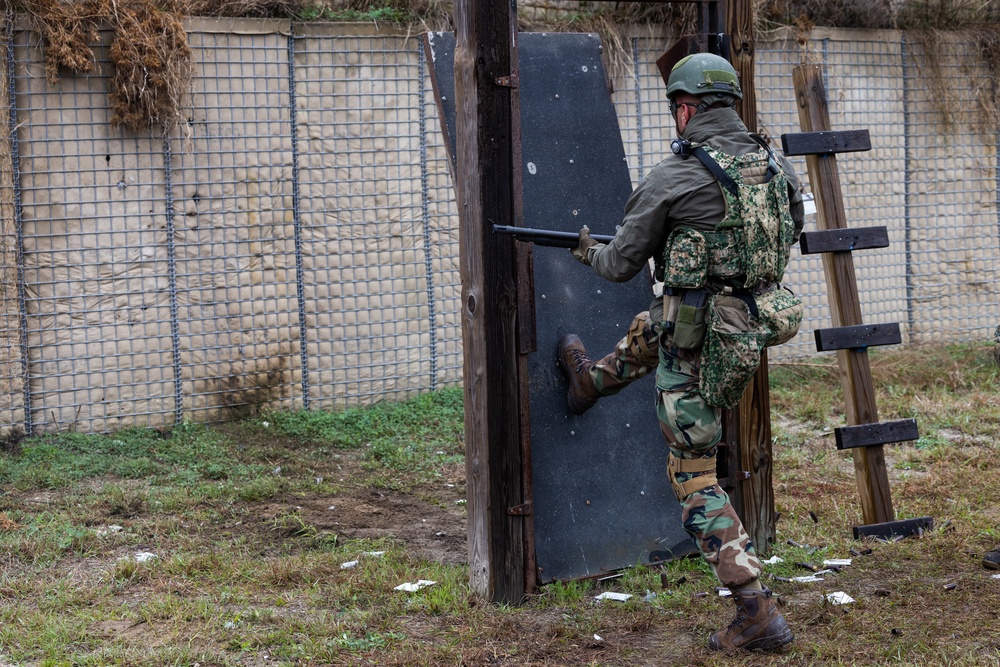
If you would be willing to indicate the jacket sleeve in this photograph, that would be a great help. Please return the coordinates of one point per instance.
(638, 237)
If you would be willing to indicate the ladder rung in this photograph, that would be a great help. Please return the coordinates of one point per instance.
(824, 143)
(843, 240)
(866, 435)
(857, 337)
(902, 528)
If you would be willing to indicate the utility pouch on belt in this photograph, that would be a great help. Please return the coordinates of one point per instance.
(781, 312)
(685, 259)
(689, 327)
(731, 355)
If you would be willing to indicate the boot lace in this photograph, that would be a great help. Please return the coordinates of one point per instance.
(581, 363)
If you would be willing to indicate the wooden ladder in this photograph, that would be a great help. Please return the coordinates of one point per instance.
(864, 435)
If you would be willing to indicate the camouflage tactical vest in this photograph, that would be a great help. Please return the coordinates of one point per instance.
(755, 237)
(751, 244)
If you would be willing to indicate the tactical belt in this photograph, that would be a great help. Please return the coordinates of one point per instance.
(684, 489)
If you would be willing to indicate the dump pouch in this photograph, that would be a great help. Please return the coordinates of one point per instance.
(685, 259)
(689, 327)
(731, 354)
(781, 312)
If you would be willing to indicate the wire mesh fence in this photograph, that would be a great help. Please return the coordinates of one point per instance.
(295, 243)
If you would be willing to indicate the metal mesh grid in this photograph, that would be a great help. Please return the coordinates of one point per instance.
(295, 244)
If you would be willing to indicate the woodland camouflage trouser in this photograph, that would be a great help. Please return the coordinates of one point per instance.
(693, 430)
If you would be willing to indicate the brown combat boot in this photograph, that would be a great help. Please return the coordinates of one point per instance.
(572, 357)
(758, 624)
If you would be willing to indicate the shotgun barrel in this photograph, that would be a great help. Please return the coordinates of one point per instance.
(548, 237)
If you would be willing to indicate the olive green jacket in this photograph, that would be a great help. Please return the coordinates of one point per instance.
(681, 192)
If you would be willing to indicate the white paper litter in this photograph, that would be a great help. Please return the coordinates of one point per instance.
(807, 580)
(598, 638)
(375, 553)
(348, 565)
(410, 587)
(724, 592)
(618, 597)
(773, 560)
(840, 597)
(143, 556)
(995, 576)
(837, 562)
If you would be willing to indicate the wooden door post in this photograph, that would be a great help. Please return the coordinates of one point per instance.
(748, 428)
(485, 62)
(845, 308)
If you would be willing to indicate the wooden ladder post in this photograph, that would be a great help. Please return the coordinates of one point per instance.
(486, 113)
(864, 435)
(845, 308)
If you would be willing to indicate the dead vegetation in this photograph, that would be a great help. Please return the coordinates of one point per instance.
(153, 68)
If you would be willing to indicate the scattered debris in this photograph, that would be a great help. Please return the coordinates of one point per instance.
(808, 566)
(110, 530)
(837, 562)
(777, 578)
(701, 595)
(855, 552)
(410, 587)
(807, 580)
(995, 576)
(882, 593)
(793, 543)
(664, 581)
(950, 587)
(650, 596)
(143, 556)
(610, 577)
(896, 632)
(348, 565)
(812, 515)
(839, 597)
(461, 502)
(773, 560)
(375, 553)
(617, 597)
(723, 592)
(598, 638)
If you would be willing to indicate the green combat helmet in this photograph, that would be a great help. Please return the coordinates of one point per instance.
(704, 73)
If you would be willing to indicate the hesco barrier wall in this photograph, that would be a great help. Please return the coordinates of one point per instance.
(295, 243)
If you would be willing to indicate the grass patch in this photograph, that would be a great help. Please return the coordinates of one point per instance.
(280, 540)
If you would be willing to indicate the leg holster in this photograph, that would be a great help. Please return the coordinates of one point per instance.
(684, 489)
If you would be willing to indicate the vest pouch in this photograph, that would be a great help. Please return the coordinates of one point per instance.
(731, 354)
(689, 327)
(685, 259)
(781, 312)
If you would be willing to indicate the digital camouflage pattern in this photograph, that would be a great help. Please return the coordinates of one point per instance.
(758, 217)
(733, 343)
(781, 312)
(686, 263)
(693, 429)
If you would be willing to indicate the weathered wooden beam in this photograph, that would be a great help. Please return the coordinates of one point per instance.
(857, 337)
(826, 143)
(889, 529)
(884, 433)
(485, 51)
(845, 308)
(749, 430)
(843, 240)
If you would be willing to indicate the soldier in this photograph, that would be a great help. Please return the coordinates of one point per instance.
(719, 228)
